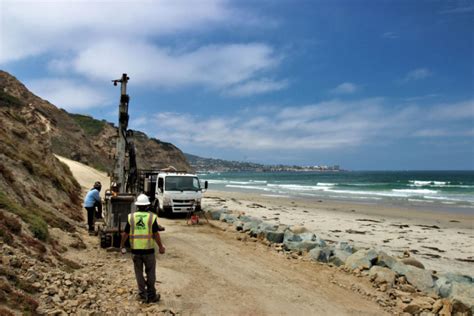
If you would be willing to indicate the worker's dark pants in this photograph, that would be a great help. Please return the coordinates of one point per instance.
(90, 217)
(93, 212)
(146, 288)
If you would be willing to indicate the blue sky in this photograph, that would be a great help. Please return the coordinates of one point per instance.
(363, 84)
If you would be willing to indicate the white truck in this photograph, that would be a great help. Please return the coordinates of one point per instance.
(177, 192)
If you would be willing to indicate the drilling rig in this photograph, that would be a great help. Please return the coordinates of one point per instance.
(120, 198)
(127, 181)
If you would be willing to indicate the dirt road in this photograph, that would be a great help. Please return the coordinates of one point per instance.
(208, 271)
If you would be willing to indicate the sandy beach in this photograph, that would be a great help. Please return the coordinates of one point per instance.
(442, 241)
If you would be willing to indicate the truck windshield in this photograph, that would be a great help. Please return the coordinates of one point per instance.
(182, 184)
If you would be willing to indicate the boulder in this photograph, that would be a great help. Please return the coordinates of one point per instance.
(464, 294)
(445, 281)
(400, 268)
(262, 229)
(382, 275)
(341, 252)
(447, 308)
(339, 257)
(304, 241)
(419, 304)
(385, 260)
(412, 262)
(252, 225)
(238, 224)
(437, 306)
(276, 236)
(228, 218)
(345, 246)
(320, 254)
(216, 214)
(298, 229)
(291, 236)
(421, 279)
(246, 219)
(362, 259)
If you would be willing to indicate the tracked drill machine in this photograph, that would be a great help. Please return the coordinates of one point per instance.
(119, 199)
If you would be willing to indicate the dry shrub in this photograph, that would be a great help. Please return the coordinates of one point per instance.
(5, 312)
(69, 265)
(7, 174)
(33, 243)
(78, 244)
(11, 223)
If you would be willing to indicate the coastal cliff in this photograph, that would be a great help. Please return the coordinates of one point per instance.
(40, 200)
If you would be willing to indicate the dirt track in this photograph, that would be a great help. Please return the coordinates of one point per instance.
(207, 271)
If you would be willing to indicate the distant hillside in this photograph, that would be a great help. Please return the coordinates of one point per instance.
(220, 165)
(211, 164)
(151, 152)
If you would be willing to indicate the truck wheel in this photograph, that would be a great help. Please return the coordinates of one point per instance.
(108, 240)
(105, 240)
(159, 211)
(103, 243)
(154, 207)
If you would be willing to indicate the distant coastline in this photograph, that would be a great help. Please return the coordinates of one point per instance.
(212, 165)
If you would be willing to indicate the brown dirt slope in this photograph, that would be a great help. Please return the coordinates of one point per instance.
(37, 193)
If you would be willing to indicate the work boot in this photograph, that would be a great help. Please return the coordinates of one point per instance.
(142, 298)
(154, 299)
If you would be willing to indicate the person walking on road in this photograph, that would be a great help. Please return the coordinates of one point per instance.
(93, 205)
(142, 229)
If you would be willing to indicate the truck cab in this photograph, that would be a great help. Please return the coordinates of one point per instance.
(178, 192)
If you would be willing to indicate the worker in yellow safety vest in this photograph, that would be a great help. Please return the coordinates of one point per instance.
(142, 229)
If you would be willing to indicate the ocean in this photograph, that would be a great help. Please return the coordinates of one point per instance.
(451, 189)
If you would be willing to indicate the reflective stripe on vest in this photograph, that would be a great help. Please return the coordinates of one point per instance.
(141, 230)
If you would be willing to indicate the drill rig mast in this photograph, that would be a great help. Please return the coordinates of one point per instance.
(119, 199)
(118, 176)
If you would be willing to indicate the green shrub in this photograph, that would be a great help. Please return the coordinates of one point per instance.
(35, 222)
(39, 228)
(9, 100)
(89, 125)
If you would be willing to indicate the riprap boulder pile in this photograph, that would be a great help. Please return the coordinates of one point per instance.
(411, 286)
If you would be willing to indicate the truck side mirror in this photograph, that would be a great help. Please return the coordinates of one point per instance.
(205, 185)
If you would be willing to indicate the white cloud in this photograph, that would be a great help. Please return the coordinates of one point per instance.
(216, 66)
(32, 27)
(345, 88)
(326, 125)
(68, 94)
(253, 87)
(417, 74)
(101, 39)
(457, 111)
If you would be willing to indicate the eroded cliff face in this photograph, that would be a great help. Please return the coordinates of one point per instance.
(38, 194)
(40, 201)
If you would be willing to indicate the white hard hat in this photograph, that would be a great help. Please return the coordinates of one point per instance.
(142, 199)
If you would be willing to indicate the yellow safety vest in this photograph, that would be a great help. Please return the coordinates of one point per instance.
(141, 231)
